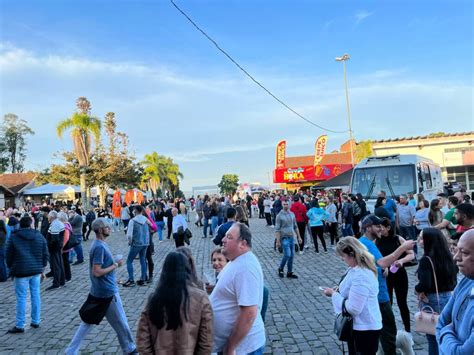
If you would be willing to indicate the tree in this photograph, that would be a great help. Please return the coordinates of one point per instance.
(84, 128)
(13, 143)
(363, 150)
(110, 130)
(63, 174)
(160, 173)
(229, 184)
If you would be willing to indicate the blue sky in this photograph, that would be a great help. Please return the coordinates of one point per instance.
(410, 73)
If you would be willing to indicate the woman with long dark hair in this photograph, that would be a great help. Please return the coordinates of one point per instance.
(435, 216)
(437, 256)
(397, 278)
(379, 209)
(178, 315)
(159, 215)
(192, 264)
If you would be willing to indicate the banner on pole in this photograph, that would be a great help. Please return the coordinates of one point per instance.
(320, 149)
(280, 155)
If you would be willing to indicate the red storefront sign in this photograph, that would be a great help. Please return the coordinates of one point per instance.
(309, 173)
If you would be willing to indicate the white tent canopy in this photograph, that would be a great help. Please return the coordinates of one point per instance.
(50, 189)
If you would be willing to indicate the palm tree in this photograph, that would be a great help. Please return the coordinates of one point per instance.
(151, 178)
(110, 128)
(161, 171)
(83, 128)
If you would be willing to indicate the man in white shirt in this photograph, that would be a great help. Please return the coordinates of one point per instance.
(237, 297)
(179, 227)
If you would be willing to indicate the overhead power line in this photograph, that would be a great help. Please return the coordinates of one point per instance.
(249, 75)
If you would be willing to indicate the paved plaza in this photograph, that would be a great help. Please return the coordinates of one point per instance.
(299, 318)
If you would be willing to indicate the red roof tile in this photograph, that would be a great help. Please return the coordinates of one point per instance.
(433, 136)
(307, 160)
(15, 182)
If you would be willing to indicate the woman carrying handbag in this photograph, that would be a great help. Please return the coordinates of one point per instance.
(357, 297)
(437, 278)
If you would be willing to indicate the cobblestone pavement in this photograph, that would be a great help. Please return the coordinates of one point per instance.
(299, 318)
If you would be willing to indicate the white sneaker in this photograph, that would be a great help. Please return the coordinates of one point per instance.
(306, 246)
(301, 252)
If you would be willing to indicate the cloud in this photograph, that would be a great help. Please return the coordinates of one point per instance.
(220, 122)
(362, 15)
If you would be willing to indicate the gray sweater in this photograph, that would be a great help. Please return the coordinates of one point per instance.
(285, 223)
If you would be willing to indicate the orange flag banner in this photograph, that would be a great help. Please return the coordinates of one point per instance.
(280, 155)
(320, 149)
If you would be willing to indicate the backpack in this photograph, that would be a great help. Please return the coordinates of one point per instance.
(73, 241)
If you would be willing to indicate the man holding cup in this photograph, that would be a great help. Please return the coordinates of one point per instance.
(104, 290)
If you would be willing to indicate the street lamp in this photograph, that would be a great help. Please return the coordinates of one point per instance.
(344, 59)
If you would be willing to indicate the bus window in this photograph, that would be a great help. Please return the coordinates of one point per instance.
(427, 176)
(420, 178)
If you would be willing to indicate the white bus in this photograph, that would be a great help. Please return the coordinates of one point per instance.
(396, 175)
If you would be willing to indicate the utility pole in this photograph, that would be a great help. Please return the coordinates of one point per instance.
(344, 59)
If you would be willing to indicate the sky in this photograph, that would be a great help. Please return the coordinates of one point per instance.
(410, 73)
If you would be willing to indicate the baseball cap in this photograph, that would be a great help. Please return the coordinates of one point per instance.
(371, 220)
(99, 223)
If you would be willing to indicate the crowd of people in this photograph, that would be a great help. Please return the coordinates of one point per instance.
(225, 313)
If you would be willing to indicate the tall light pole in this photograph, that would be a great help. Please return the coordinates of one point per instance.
(344, 59)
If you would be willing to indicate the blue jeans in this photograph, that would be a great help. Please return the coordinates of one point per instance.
(160, 226)
(117, 319)
(256, 352)
(347, 230)
(433, 303)
(116, 223)
(288, 246)
(214, 223)
(78, 249)
(206, 225)
(22, 284)
(134, 251)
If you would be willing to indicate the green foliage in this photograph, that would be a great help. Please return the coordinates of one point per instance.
(363, 150)
(160, 173)
(229, 183)
(13, 143)
(436, 134)
(83, 127)
(67, 173)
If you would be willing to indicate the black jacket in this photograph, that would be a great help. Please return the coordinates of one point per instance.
(26, 253)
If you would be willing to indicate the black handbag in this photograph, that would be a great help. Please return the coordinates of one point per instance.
(94, 308)
(343, 324)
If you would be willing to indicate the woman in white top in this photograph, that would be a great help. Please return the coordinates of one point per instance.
(359, 288)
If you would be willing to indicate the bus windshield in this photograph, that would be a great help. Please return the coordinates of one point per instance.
(394, 180)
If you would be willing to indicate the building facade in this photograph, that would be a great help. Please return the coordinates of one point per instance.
(453, 152)
(294, 173)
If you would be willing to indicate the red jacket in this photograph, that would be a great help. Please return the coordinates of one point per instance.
(299, 210)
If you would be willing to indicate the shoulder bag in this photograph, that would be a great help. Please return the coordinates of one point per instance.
(343, 324)
(426, 318)
(94, 308)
